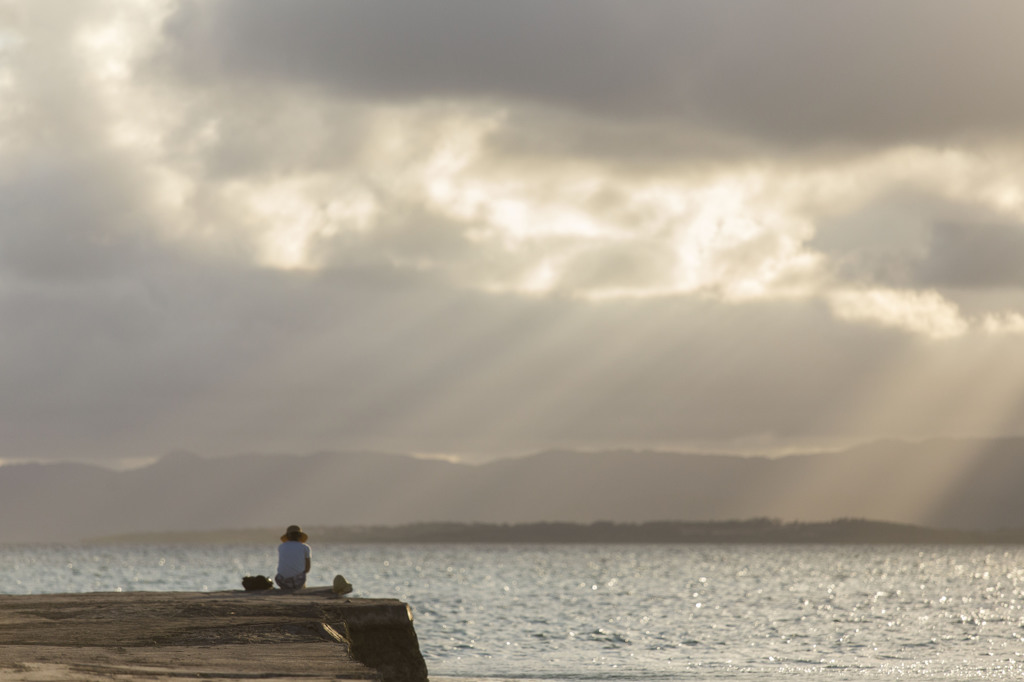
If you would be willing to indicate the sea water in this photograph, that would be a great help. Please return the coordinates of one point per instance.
(632, 612)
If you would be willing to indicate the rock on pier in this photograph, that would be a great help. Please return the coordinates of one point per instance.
(310, 634)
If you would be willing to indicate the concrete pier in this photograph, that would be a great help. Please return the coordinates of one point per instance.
(310, 634)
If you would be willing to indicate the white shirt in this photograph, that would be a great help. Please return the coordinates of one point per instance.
(291, 558)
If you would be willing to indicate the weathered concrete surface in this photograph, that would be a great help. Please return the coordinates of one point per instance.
(310, 634)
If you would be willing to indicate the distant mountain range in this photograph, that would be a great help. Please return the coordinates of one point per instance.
(950, 484)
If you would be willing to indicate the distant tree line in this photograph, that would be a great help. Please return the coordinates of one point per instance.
(751, 531)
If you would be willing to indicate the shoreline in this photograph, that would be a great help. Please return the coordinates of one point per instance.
(750, 531)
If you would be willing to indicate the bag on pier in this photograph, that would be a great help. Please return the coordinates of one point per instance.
(252, 583)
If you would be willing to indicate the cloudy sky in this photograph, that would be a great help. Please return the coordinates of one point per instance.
(474, 229)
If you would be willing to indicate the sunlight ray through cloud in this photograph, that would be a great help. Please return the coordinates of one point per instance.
(180, 180)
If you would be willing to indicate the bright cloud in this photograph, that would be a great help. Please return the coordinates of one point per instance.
(921, 312)
(1008, 323)
(533, 223)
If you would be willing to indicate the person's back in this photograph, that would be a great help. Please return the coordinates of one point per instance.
(293, 559)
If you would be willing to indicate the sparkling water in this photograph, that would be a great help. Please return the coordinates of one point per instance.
(633, 612)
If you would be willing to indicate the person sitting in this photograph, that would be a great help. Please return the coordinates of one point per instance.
(293, 559)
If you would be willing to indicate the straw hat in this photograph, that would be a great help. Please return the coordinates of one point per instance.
(294, 533)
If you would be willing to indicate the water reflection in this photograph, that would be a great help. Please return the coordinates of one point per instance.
(635, 612)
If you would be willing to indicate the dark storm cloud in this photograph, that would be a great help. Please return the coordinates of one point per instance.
(787, 72)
